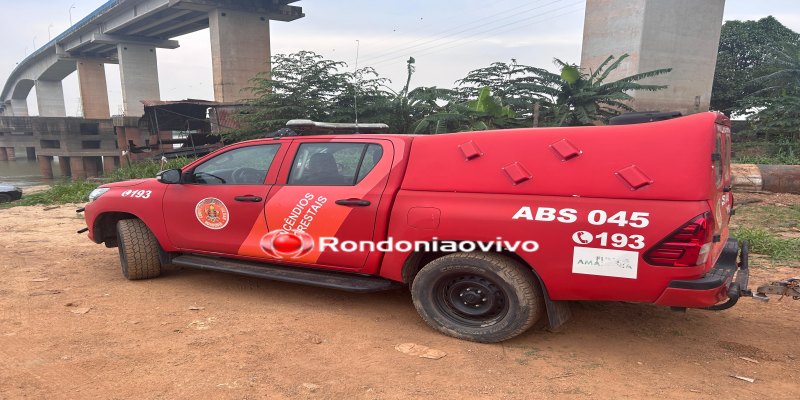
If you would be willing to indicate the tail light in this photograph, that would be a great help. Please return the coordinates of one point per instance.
(686, 247)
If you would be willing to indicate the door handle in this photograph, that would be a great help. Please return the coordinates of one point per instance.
(252, 199)
(353, 202)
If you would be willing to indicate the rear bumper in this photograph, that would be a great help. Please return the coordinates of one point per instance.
(728, 279)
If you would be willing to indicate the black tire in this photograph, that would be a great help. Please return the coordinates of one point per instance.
(477, 296)
(5, 198)
(138, 250)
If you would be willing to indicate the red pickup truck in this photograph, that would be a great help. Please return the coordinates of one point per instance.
(491, 230)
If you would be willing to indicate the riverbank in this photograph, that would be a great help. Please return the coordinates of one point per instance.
(25, 173)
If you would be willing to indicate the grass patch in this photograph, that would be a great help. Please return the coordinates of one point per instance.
(762, 241)
(145, 169)
(768, 160)
(78, 191)
(62, 193)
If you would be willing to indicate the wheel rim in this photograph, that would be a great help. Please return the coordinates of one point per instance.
(470, 299)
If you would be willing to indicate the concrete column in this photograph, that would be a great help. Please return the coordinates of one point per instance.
(31, 153)
(678, 34)
(138, 70)
(240, 49)
(76, 167)
(50, 97)
(12, 154)
(93, 89)
(19, 107)
(46, 166)
(3, 154)
(110, 163)
(63, 165)
(90, 165)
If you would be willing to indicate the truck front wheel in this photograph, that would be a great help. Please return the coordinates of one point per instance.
(476, 296)
(138, 250)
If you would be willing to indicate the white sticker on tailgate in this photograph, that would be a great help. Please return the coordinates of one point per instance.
(605, 262)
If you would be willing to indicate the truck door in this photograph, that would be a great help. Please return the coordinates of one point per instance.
(330, 189)
(222, 199)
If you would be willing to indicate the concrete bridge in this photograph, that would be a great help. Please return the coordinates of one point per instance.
(681, 34)
(127, 32)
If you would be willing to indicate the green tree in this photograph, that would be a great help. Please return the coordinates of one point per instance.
(301, 85)
(518, 85)
(745, 53)
(483, 113)
(402, 109)
(784, 75)
(774, 110)
(778, 117)
(575, 97)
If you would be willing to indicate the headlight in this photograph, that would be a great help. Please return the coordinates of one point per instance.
(97, 193)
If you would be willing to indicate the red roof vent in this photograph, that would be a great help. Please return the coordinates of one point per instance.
(634, 177)
(517, 172)
(470, 150)
(565, 149)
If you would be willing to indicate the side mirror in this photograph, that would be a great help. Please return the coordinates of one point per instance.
(169, 176)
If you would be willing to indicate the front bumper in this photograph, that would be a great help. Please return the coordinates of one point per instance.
(728, 279)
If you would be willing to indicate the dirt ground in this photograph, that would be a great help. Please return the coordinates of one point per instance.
(72, 327)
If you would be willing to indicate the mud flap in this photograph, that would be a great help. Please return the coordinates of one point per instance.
(558, 312)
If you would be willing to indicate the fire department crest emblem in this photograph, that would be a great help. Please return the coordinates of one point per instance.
(212, 213)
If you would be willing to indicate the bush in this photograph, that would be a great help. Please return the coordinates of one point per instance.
(67, 192)
(764, 242)
(145, 169)
(78, 191)
(764, 152)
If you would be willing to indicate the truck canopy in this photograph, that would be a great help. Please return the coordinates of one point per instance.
(666, 160)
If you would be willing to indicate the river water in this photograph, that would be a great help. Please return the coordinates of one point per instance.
(24, 172)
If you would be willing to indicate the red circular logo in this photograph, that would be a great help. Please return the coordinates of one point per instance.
(281, 244)
(212, 213)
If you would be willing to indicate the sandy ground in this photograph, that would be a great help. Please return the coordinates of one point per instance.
(72, 327)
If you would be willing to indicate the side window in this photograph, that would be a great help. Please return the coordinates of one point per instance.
(333, 164)
(242, 166)
(371, 157)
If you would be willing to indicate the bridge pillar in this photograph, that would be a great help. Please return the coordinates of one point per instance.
(91, 167)
(110, 163)
(12, 154)
(76, 167)
(3, 154)
(50, 97)
(63, 165)
(19, 107)
(679, 34)
(138, 70)
(240, 49)
(46, 166)
(93, 89)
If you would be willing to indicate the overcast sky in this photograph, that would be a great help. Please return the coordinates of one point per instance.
(446, 38)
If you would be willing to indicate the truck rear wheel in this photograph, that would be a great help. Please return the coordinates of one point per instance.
(476, 296)
(138, 250)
